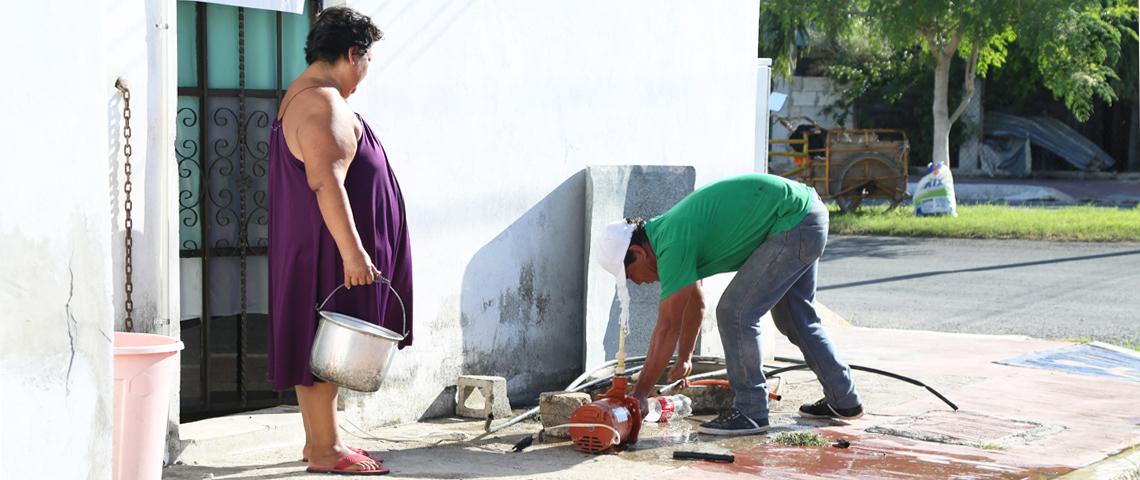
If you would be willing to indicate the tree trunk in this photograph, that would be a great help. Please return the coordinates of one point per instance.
(941, 152)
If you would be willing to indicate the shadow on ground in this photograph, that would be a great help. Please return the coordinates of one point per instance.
(839, 247)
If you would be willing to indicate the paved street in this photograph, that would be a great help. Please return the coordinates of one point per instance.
(1041, 289)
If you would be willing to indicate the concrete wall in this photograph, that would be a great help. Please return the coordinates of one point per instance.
(61, 228)
(489, 112)
(613, 193)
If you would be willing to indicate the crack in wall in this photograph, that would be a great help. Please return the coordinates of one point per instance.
(72, 325)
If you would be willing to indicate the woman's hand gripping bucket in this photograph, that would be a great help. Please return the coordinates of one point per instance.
(351, 352)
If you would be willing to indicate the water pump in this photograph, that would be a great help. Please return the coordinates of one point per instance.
(617, 417)
(614, 418)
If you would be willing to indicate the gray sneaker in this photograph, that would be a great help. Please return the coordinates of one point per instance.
(822, 409)
(732, 422)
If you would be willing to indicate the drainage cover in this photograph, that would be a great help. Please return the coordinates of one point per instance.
(967, 428)
(1084, 359)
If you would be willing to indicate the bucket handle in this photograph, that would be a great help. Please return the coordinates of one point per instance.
(385, 281)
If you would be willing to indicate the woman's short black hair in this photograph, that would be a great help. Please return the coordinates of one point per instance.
(336, 30)
(638, 238)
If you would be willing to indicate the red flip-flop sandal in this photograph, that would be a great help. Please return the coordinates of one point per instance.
(357, 450)
(344, 463)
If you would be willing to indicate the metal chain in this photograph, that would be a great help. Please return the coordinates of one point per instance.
(128, 242)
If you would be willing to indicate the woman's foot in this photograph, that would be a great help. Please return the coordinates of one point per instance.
(361, 451)
(340, 459)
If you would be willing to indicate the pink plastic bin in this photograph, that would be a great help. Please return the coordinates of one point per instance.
(145, 366)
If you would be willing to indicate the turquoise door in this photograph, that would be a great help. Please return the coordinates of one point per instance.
(233, 66)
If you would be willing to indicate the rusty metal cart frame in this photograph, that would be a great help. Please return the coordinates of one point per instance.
(853, 165)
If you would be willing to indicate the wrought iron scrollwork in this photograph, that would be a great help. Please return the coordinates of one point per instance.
(186, 153)
(224, 181)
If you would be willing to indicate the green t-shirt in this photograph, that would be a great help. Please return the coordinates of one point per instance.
(716, 228)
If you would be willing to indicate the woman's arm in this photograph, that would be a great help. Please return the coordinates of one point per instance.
(326, 135)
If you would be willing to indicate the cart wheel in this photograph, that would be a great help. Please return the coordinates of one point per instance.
(864, 177)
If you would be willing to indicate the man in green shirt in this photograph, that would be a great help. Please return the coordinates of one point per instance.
(772, 232)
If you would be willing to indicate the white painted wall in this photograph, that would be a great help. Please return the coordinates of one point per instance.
(763, 90)
(489, 112)
(61, 227)
(54, 248)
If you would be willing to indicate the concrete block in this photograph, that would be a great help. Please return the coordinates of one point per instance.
(613, 193)
(805, 99)
(816, 84)
(709, 399)
(480, 395)
(555, 408)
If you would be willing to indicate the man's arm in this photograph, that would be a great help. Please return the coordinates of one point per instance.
(694, 314)
(664, 340)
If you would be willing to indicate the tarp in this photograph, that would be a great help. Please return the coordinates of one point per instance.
(1006, 156)
(1052, 135)
(1086, 359)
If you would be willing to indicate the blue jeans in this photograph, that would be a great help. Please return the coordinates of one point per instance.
(780, 276)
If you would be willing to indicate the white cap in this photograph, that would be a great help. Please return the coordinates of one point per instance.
(611, 246)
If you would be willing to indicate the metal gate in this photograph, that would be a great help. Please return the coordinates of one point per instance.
(232, 68)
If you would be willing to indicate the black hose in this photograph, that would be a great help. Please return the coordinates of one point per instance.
(800, 364)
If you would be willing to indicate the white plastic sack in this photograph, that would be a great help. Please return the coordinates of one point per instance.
(935, 193)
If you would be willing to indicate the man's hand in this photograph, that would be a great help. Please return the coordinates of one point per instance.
(681, 371)
(642, 401)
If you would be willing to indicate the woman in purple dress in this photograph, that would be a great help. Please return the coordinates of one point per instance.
(336, 216)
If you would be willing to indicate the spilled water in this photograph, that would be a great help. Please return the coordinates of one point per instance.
(623, 322)
(623, 300)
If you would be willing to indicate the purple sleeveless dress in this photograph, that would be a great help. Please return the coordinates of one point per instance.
(305, 265)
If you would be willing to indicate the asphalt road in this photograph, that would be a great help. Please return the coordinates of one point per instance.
(1040, 289)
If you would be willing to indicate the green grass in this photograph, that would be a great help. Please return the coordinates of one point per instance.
(802, 439)
(1068, 224)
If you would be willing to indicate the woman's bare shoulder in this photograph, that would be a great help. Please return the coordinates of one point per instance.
(309, 100)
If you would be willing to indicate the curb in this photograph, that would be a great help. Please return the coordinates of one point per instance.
(272, 428)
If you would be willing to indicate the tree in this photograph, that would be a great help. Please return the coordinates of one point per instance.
(1075, 43)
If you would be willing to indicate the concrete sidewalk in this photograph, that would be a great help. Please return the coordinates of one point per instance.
(1013, 422)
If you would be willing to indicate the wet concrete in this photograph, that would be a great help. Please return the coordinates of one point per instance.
(867, 457)
(993, 436)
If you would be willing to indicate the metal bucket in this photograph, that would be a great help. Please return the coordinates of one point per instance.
(351, 352)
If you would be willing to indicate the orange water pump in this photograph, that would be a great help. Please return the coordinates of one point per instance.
(617, 416)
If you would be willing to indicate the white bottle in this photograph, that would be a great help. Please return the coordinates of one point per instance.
(668, 407)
